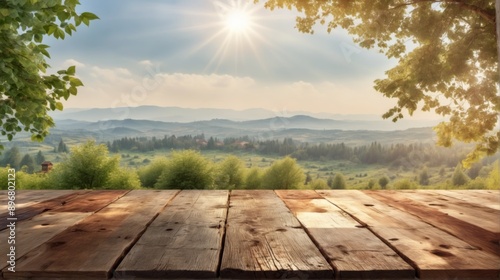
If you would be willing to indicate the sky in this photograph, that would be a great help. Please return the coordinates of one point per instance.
(230, 54)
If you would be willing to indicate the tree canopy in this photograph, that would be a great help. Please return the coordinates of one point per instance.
(27, 91)
(447, 54)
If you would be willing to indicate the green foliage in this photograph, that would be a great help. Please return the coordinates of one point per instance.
(383, 182)
(28, 162)
(493, 180)
(27, 92)
(12, 158)
(284, 174)
(371, 184)
(39, 158)
(339, 182)
(187, 170)
(123, 178)
(423, 177)
(404, 184)
(230, 173)
(318, 184)
(88, 167)
(459, 178)
(253, 179)
(149, 174)
(451, 68)
(62, 148)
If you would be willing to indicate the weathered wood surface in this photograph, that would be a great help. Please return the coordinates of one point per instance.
(184, 241)
(479, 225)
(25, 198)
(268, 234)
(353, 250)
(487, 198)
(94, 246)
(434, 252)
(265, 240)
(53, 221)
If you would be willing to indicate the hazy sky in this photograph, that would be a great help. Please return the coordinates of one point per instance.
(216, 54)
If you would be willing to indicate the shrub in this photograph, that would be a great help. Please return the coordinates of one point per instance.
(284, 174)
(149, 174)
(339, 182)
(253, 179)
(230, 173)
(187, 170)
(318, 184)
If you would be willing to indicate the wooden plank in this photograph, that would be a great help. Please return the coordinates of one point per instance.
(185, 241)
(353, 251)
(487, 198)
(470, 211)
(93, 247)
(478, 227)
(85, 201)
(36, 231)
(37, 208)
(25, 198)
(264, 240)
(435, 253)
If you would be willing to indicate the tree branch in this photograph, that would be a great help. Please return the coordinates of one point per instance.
(486, 14)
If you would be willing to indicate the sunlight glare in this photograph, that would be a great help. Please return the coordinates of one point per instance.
(237, 21)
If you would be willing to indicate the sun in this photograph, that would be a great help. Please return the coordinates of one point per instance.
(238, 21)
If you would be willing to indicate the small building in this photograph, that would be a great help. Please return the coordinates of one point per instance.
(46, 166)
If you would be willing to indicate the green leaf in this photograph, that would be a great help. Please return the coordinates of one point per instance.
(89, 16)
(59, 106)
(74, 82)
(71, 70)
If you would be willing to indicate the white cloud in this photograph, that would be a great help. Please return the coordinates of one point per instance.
(71, 62)
(119, 87)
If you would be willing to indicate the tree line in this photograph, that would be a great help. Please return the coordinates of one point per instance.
(90, 166)
(396, 155)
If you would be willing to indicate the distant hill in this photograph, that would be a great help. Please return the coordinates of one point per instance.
(258, 117)
(300, 127)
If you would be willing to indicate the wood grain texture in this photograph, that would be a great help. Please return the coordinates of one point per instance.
(25, 198)
(354, 251)
(32, 210)
(486, 198)
(185, 241)
(38, 230)
(435, 253)
(264, 240)
(477, 225)
(93, 247)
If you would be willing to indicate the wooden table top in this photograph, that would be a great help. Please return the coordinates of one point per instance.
(343, 234)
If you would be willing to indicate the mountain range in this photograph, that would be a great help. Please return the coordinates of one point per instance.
(113, 123)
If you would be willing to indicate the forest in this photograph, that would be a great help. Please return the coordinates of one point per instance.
(194, 162)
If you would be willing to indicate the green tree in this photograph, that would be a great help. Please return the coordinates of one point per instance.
(339, 182)
(383, 182)
(253, 179)
(423, 177)
(308, 178)
(29, 162)
(230, 173)
(90, 167)
(28, 93)
(318, 184)
(149, 174)
(12, 157)
(371, 184)
(39, 158)
(459, 178)
(493, 180)
(451, 66)
(329, 181)
(187, 170)
(284, 174)
(62, 148)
